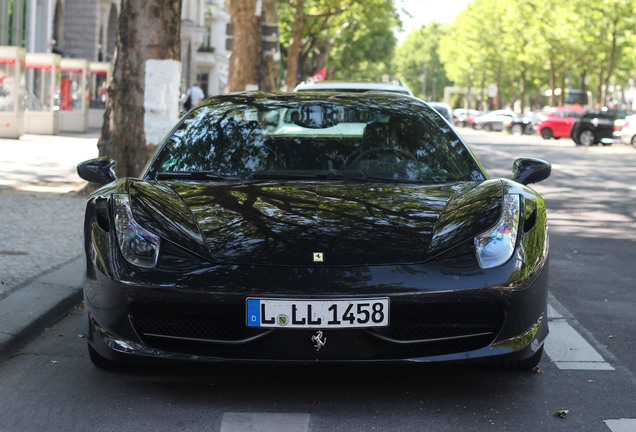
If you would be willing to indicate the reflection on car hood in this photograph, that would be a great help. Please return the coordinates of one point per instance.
(289, 223)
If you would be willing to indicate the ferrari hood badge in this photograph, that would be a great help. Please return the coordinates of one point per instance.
(318, 256)
(319, 342)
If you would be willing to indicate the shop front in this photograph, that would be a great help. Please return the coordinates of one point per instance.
(99, 75)
(43, 93)
(12, 91)
(74, 95)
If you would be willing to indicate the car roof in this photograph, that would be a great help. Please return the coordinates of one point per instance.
(440, 104)
(566, 108)
(502, 111)
(351, 86)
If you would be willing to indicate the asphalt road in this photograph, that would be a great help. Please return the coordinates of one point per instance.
(588, 368)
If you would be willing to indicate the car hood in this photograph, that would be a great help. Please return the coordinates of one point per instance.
(315, 224)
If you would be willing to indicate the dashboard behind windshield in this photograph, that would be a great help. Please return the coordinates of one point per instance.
(316, 137)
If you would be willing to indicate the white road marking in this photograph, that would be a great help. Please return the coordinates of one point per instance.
(567, 348)
(265, 422)
(621, 425)
(552, 313)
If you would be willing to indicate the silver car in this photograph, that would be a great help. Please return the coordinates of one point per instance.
(627, 133)
(357, 87)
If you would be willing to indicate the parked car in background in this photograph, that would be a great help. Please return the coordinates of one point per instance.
(598, 126)
(494, 120)
(356, 87)
(557, 122)
(444, 109)
(524, 124)
(465, 117)
(627, 133)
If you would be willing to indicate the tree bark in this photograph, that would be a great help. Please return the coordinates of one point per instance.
(612, 57)
(270, 64)
(484, 102)
(294, 46)
(600, 91)
(246, 46)
(552, 84)
(123, 138)
(522, 90)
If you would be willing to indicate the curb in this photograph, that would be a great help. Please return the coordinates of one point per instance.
(27, 311)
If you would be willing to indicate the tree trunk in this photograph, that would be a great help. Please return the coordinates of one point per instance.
(246, 46)
(271, 61)
(124, 137)
(498, 105)
(484, 103)
(294, 46)
(600, 91)
(522, 90)
(562, 95)
(467, 99)
(610, 62)
(322, 58)
(553, 101)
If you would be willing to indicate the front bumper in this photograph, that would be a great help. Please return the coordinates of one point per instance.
(468, 323)
(623, 137)
(611, 140)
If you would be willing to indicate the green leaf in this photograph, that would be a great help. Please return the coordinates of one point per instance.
(562, 413)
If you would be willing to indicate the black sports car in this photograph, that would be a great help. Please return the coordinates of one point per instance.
(314, 226)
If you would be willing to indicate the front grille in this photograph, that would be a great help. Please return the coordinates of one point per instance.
(214, 322)
(425, 322)
(416, 330)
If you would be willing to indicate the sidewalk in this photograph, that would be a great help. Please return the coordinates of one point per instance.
(41, 218)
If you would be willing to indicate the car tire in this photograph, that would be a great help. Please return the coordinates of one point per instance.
(546, 133)
(517, 129)
(634, 140)
(526, 364)
(100, 361)
(487, 127)
(587, 137)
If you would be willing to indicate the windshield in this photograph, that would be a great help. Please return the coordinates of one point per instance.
(314, 138)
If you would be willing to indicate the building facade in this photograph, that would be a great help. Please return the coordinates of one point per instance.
(203, 55)
(87, 29)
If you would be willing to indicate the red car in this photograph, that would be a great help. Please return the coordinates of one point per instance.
(557, 122)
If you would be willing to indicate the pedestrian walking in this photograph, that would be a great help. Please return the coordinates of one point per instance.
(195, 95)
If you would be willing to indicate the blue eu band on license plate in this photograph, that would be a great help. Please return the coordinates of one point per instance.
(290, 313)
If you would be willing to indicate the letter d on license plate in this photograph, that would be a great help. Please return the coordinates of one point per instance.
(370, 312)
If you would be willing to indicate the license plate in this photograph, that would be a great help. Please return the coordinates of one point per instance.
(371, 312)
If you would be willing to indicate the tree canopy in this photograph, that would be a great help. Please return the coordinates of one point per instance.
(528, 46)
(353, 40)
(521, 48)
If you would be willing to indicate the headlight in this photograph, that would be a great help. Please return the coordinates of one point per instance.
(496, 246)
(138, 246)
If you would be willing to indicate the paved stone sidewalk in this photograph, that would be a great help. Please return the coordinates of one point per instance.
(37, 231)
(41, 216)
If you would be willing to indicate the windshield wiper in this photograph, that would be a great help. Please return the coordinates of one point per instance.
(342, 175)
(196, 175)
(347, 175)
(301, 175)
(281, 175)
(394, 180)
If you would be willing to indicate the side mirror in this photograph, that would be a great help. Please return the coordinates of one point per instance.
(530, 170)
(99, 170)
